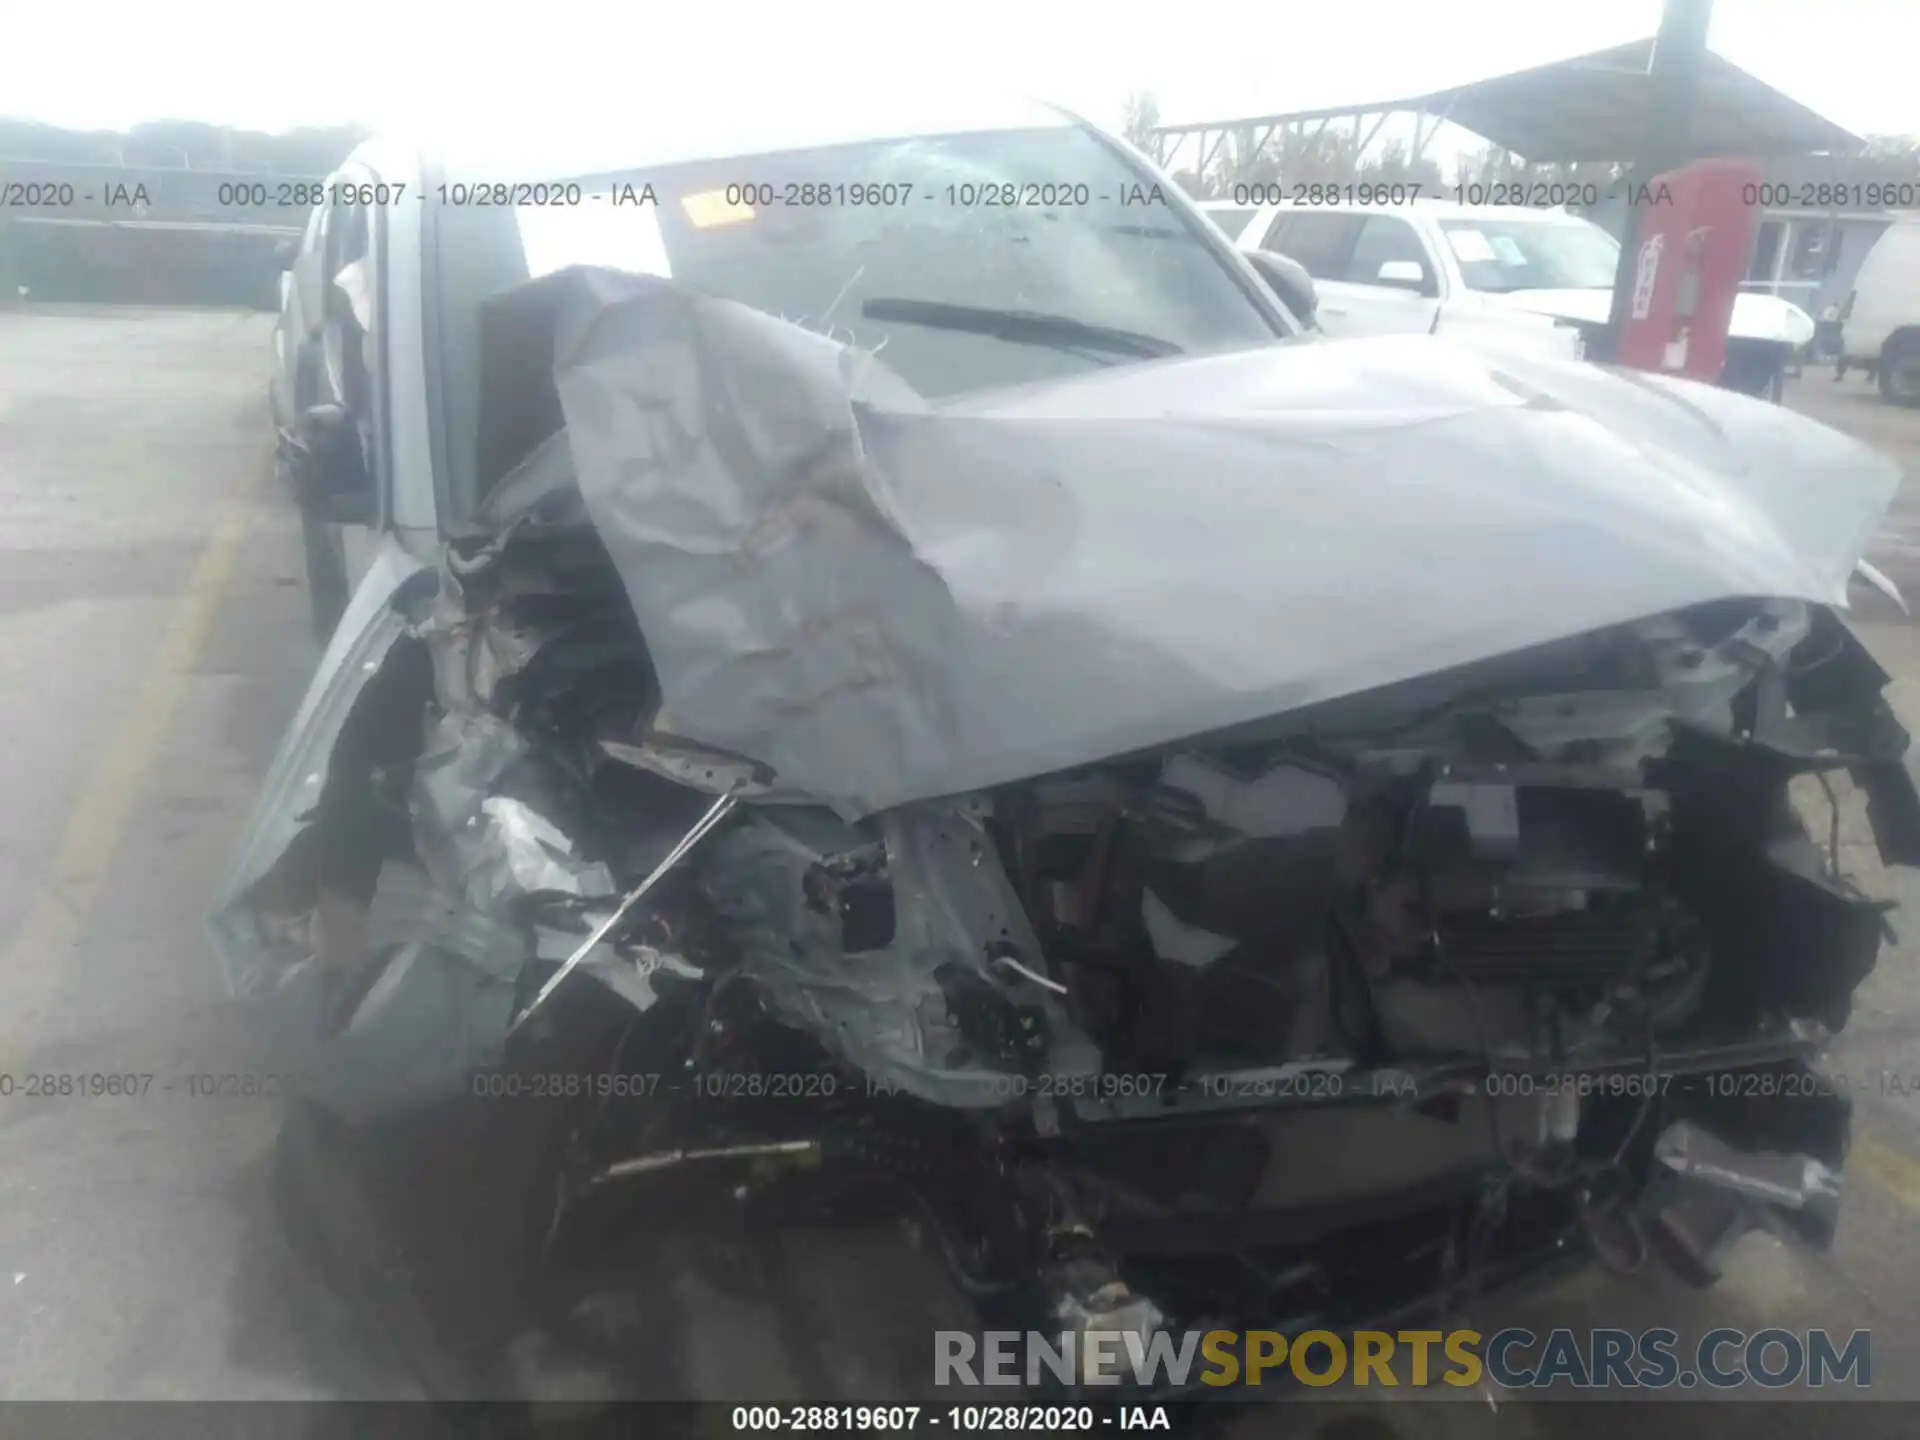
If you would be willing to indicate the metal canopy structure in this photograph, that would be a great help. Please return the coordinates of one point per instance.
(1590, 107)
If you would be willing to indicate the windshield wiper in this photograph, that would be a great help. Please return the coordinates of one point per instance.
(1022, 327)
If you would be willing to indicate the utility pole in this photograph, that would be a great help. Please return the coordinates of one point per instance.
(1673, 80)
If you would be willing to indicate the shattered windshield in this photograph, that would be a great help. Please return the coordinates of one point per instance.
(1035, 223)
(1500, 255)
(1051, 226)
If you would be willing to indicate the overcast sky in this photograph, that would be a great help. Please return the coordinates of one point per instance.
(275, 65)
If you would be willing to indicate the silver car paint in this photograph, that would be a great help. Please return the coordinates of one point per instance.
(886, 601)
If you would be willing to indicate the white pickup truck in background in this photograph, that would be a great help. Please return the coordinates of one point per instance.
(1536, 279)
(1880, 331)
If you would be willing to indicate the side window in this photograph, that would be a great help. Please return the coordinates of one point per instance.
(1320, 242)
(1384, 238)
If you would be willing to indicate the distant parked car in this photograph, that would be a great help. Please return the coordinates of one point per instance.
(1880, 329)
(323, 280)
(1473, 271)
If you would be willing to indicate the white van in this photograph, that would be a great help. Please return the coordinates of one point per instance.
(1880, 326)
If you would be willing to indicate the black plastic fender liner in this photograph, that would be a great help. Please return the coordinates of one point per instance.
(1834, 675)
(1893, 807)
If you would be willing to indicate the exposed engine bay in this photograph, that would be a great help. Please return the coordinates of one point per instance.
(1475, 950)
(790, 800)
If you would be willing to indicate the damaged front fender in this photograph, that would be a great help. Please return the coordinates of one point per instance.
(295, 932)
(404, 868)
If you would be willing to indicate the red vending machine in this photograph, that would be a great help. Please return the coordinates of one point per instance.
(1696, 228)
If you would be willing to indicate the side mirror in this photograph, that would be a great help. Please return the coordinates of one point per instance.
(286, 250)
(1403, 275)
(329, 467)
(1288, 279)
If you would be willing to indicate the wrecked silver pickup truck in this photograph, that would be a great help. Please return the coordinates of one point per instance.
(1216, 838)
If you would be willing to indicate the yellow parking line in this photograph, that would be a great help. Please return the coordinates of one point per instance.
(36, 958)
(1887, 1170)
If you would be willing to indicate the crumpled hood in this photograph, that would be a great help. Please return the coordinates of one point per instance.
(1755, 317)
(886, 599)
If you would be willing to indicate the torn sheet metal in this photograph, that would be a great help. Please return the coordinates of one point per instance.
(602, 928)
(490, 848)
(535, 856)
(927, 1012)
(366, 635)
(887, 600)
(699, 769)
(428, 1002)
(532, 485)
(464, 756)
(1283, 800)
(1793, 1182)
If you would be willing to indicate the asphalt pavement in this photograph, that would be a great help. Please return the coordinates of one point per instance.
(152, 646)
(153, 643)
